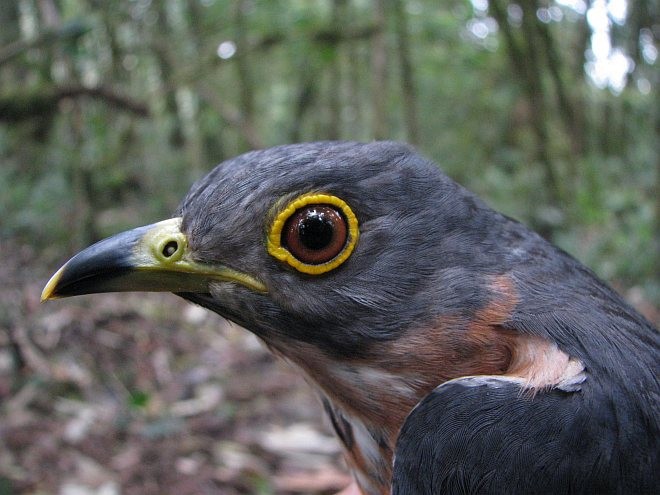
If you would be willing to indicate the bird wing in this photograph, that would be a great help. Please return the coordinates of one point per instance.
(487, 434)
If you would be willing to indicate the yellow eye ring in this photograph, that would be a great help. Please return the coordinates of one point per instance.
(334, 231)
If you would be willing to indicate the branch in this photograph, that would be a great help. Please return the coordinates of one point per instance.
(109, 95)
(28, 105)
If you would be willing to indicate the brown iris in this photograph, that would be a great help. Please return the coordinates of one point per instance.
(315, 234)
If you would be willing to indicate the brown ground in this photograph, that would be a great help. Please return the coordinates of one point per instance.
(146, 394)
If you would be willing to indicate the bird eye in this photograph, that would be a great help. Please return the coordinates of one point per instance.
(314, 233)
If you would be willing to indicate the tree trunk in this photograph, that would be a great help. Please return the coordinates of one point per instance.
(379, 73)
(407, 76)
(245, 80)
(335, 92)
(525, 59)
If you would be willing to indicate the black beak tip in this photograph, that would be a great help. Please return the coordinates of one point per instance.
(92, 269)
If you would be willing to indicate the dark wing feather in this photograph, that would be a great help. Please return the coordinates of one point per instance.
(481, 435)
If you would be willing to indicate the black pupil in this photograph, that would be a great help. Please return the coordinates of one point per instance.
(315, 230)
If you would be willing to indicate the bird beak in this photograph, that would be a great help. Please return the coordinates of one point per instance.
(153, 258)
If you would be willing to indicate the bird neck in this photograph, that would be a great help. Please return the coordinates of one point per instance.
(366, 406)
(368, 400)
(368, 397)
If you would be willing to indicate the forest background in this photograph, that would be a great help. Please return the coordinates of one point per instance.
(548, 110)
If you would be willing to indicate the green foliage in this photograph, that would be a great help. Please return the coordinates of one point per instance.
(5, 486)
(139, 399)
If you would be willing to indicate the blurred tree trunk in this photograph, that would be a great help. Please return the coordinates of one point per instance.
(49, 36)
(338, 23)
(353, 122)
(196, 13)
(306, 94)
(576, 61)
(9, 20)
(570, 108)
(407, 76)
(111, 21)
(245, 80)
(642, 18)
(379, 73)
(524, 54)
(81, 172)
(161, 53)
(50, 16)
(229, 114)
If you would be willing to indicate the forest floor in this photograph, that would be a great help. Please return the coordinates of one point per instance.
(141, 394)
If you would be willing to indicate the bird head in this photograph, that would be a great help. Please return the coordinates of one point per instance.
(362, 264)
(331, 244)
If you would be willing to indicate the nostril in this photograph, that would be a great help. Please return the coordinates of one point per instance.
(170, 248)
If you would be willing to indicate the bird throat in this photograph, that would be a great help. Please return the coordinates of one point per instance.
(368, 398)
(366, 407)
(367, 401)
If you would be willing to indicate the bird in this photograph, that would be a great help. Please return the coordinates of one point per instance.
(454, 349)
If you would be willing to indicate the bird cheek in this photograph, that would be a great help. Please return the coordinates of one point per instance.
(228, 293)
